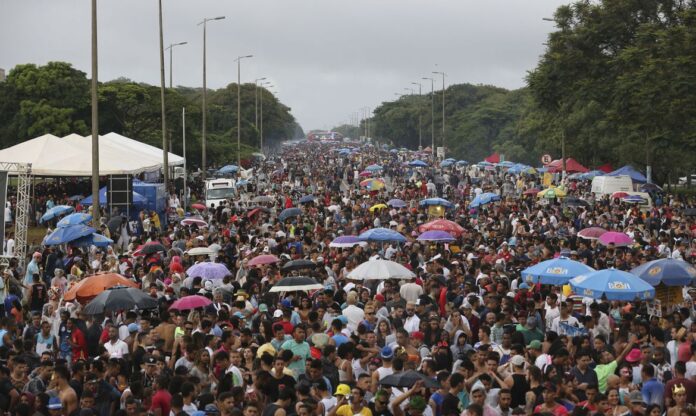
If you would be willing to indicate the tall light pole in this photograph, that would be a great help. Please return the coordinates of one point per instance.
(410, 90)
(239, 108)
(183, 135)
(204, 110)
(420, 125)
(432, 113)
(95, 120)
(263, 86)
(563, 158)
(165, 144)
(256, 101)
(443, 109)
(170, 48)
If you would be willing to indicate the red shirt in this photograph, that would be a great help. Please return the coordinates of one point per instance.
(80, 350)
(161, 400)
(287, 327)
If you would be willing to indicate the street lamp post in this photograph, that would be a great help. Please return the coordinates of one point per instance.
(410, 90)
(256, 109)
(165, 144)
(563, 159)
(239, 108)
(95, 120)
(432, 113)
(170, 48)
(263, 86)
(205, 93)
(420, 125)
(443, 109)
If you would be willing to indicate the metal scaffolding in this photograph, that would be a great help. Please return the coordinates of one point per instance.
(23, 173)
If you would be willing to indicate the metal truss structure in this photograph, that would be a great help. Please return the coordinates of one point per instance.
(23, 173)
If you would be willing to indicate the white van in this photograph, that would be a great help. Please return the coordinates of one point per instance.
(218, 190)
(644, 206)
(607, 185)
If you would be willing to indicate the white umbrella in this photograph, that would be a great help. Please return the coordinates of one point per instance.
(200, 251)
(334, 208)
(379, 269)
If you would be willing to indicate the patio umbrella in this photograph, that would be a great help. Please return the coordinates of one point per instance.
(379, 269)
(62, 235)
(591, 233)
(670, 272)
(120, 298)
(347, 241)
(56, 211)
(263, 259)
(575, 202)
(556, 271)
(149, 248)
(437, 236)
(200, 251)
(436, 201)
(296, 284)
(612, 284)
(307, 198)
(289, 213)
(190, 302)
(262, 199)
(616, 238)
(91, 286)
(451, 227)
(94, 239)
(194, 221)
(484, 199)
(372, 184)
(208, 270)
(552, 193)
(76, 218)
(298, 265)
(408, 379)
(199, 207)
(382, 235)
(377, 207)
(397, 203)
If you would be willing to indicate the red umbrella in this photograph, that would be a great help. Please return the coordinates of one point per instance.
(191, 302)
(591, 233)
(619, 195)
(199, 207)
(532, 191)
(443, 225)
(263, 259)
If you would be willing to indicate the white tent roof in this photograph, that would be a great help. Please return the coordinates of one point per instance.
(72, 155)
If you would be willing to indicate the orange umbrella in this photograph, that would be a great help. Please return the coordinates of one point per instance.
(91, 286)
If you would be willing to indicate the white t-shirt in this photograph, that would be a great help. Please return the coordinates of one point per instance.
(556, 324)
(551, 314)
(690, 369)
(119, 349)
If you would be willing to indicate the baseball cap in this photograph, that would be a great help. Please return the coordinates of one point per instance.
(524, 285)
(263, 308)
(150, 360)
(534, 345)
(278, 313)
(633, 356)
(133, 327)
(418, 335)
(379, 297)
(342, 390)
(54, 403)
(386, 352)
(517, 360)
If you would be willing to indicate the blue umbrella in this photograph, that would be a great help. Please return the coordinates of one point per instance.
(137, 198)
(446, 163)
(306, 199)
(373, 168)
(436, 201)
(417, 163)
(483, 199)
(242, 182)
(634, 199)
(556, 271)
(612, 284)
(76, 198)
(288, 213)
(382, 235)
(397, 203)
(67, 234)
(228, 169)
(76, 218)
(437, 236)
(55, 212)
(93, 239)
(670, 272)
(462, 162)
(485, 163)
(506, 164)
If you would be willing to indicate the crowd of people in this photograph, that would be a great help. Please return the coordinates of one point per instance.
(468, 335)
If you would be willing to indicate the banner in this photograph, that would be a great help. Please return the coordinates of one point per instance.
(3, 203)
(571, 331)
(548, 178)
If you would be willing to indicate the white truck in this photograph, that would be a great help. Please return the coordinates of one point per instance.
(218, 190)
(607, 185)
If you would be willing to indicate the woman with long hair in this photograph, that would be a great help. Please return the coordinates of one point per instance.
(614, 402)
(385, 333)
(203, 370)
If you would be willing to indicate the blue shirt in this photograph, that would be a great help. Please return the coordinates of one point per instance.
(653, 392)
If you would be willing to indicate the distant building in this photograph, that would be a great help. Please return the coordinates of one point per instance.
(2, 75)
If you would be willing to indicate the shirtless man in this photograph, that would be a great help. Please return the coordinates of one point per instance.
(68, 397)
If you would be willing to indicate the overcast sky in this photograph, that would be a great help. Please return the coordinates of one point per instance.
(327, 58)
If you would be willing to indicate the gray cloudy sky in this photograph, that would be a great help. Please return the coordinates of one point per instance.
(327, 58)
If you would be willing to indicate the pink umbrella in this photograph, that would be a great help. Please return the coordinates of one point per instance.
(616, 238)
(194, 221)
(263, 259)
(591, 233)
(365, 173)
(191, 302)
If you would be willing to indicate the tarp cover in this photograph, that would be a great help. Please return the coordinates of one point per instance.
(572, 166)
(628, 170)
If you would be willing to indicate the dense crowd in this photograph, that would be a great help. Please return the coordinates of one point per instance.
(467, 335)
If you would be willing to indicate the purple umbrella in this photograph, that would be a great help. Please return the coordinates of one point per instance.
(436, 235)
(396, 203)
(208, 270)
(591, 233)
(616, 238)
(347, 241)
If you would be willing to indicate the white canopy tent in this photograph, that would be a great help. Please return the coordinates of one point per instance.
(72, 155)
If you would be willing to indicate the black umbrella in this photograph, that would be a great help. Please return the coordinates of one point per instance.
(114, 224)
(408, 379)
(151, 248)
(575, 202)
(298, 265)
(296, 284)
(120, 297)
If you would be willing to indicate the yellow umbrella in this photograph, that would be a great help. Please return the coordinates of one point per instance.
(551, 193)
(377, 206)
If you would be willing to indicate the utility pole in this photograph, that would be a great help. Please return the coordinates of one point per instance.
(420, 126)
(432, 113)
(165, 144)
(239, 108)
(95, 121)
(443, 109)
(204, 110)
(183, 134)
